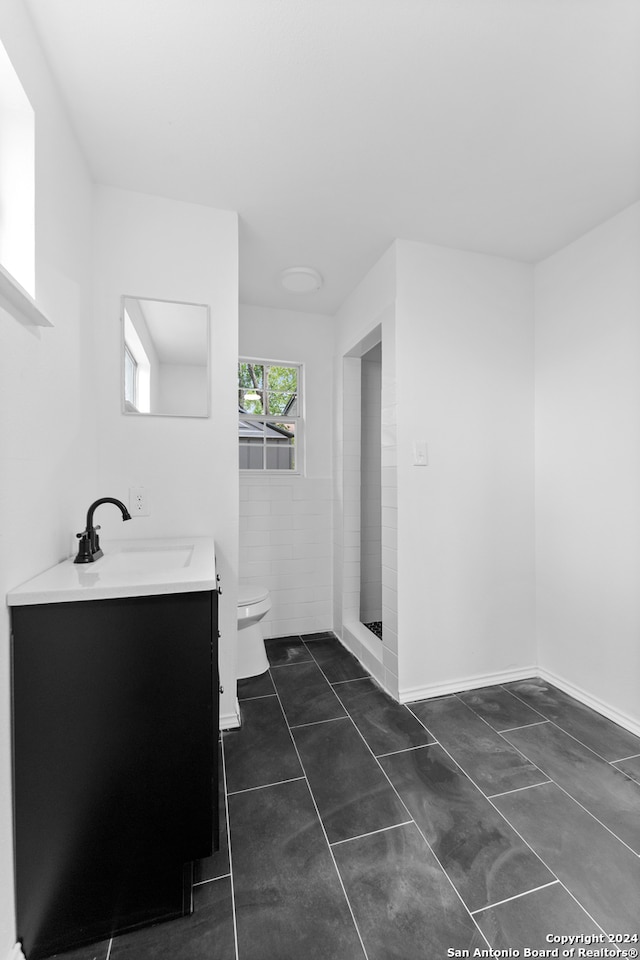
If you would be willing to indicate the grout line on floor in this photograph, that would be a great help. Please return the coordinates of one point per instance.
(263, 696)
(201, 883)
(313, 800)
(350, 680)
(634, 779)
(577, 740)
(500, 734)
(505, 793)
(371, 833)
(418, 746)
(636, 756)
(523, 726)
(295, 663)
(520, 700)
(263, 786)
(229, 850)
(564, 730)
(518, 834)
(525, 893)
(314, 723)
(576, 801)
(109, 949)
(420, 831)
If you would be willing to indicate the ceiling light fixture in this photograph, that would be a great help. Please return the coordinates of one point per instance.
(300, 280)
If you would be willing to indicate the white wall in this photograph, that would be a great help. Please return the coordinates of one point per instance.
(183, 390)
(151, 247)
(285, 521)
(464, 342)
(48, 446)
(588, 464)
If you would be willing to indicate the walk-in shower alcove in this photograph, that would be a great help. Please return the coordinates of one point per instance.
(371, 490)
(366, 505)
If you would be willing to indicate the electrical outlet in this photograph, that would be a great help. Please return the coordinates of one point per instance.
(138, 502)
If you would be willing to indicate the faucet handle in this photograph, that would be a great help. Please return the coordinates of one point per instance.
(84, 533)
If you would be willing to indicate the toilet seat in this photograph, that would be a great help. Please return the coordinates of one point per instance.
(248, 595)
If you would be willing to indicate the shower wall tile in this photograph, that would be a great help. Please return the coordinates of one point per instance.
(390, 639)
(390, 497)
(389, 516)
(390, 660)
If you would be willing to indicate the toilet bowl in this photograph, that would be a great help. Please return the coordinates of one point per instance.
(253, 604)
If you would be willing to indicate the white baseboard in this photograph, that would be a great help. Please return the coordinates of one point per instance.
(622, 719)
(230, 721)
(467, 683)
(510, 676)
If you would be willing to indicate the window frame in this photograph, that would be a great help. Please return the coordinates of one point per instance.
(133, 363)
(297, 419)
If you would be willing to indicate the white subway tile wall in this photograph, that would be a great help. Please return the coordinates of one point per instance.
(286, 546)
(371, 494)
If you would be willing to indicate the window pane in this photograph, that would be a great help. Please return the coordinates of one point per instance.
(280, 440)
(280, 456)
(280, 403)
(250, 375)
(250, 430)
(282, 379)
(252, 456)
(288, 429)
(251, 400)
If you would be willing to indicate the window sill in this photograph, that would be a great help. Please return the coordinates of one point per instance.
(20, 304)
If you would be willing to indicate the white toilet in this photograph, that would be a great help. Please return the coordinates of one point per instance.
(253, 603)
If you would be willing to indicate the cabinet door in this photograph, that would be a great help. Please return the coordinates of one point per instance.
(114, 754)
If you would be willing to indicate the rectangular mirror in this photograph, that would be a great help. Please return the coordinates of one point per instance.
(165, 358)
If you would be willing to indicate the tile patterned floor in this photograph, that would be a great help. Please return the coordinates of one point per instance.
(359, 828)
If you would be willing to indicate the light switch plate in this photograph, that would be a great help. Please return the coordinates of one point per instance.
(420, 458)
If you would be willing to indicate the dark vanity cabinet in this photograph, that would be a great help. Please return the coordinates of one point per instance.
(115, 747)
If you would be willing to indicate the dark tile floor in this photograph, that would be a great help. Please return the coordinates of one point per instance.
(359, 828)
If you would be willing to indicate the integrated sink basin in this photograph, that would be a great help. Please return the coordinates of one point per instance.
(146, 560)
(128, 568)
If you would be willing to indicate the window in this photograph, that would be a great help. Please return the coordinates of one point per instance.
(17, 178)
(137, 366)
(270, 415)
(130, 379)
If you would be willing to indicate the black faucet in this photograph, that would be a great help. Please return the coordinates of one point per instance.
(89, 549)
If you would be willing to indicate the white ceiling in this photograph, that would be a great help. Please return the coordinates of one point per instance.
(508, 127)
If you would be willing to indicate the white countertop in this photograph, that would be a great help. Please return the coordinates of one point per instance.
(129, 568)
